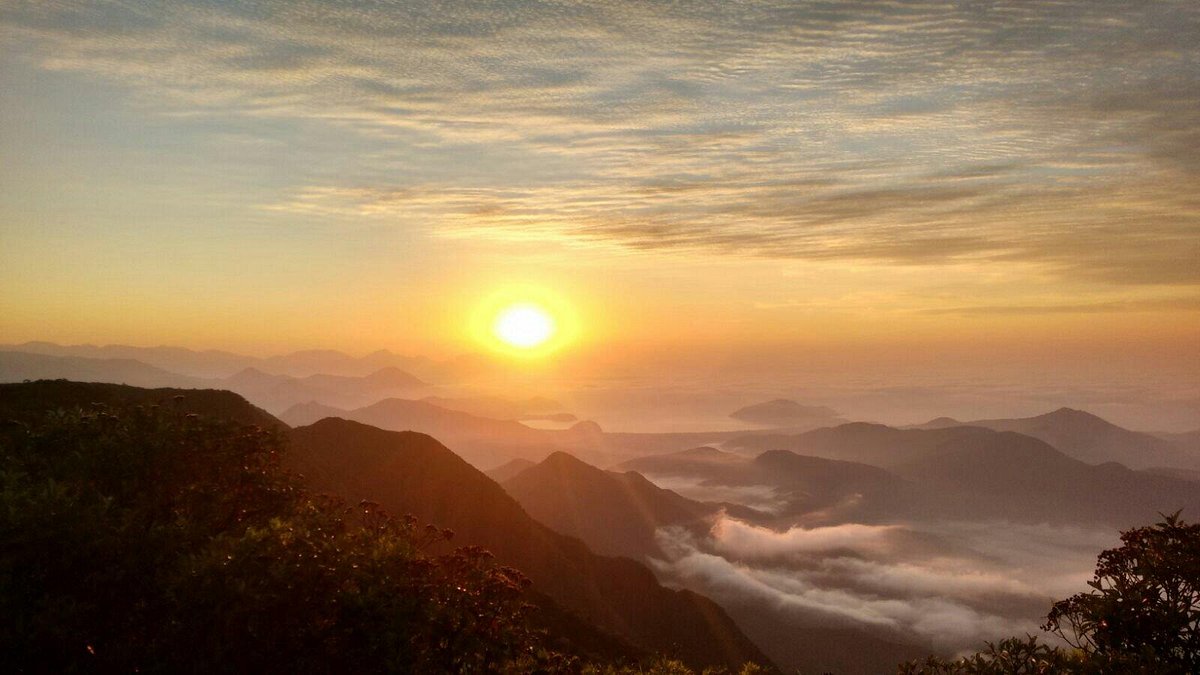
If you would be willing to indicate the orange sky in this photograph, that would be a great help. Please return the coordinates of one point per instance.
(865, 185)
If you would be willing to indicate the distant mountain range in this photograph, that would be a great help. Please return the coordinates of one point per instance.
(210, 364)
(1094, 440)
(974, 472)
(273, 392)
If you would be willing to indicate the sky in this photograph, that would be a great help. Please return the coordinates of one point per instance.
(866, 183)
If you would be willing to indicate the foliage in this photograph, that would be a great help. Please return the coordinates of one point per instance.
(1014, 655)
(147, 540)
(1144, 610)
(1142, 616)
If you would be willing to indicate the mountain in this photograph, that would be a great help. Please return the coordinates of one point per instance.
(20, 400)
(619, 513)
(20, 366)
(1094, 440)
(273, 392)
(974, 472)
(482, 441)
(787, 413)
(205, 364)
(824, 490)
(614, 513)
(280, 392)
(937, 423)
(408, 472)
(214, 364)
(496, 407)
(509, 469)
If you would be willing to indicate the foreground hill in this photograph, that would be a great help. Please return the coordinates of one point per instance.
(409, 472)
(140, 537)
(32, 398)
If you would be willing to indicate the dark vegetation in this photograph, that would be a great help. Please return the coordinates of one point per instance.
(146, 539)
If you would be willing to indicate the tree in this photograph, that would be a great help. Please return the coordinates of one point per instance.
(1144, 609)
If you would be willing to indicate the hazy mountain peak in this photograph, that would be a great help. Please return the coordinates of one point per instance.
(786, 412)
(706, 451)
(1074, 415)
(586, 427)
(939, 423)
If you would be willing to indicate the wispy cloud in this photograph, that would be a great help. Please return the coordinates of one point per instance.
(1059, 134)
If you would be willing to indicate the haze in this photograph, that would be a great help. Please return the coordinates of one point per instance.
(571, 240)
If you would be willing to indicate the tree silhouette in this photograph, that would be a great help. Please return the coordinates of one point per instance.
(1144, 609)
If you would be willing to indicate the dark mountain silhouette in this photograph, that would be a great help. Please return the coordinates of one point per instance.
(409, 472)
(22, 400)
(614, 513)
(980, 473)
(1094, 440)
(783, 412)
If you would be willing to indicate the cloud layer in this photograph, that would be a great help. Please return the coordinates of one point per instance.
(951, 585)
(1063, 135)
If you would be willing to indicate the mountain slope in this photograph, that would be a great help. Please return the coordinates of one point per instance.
(978, 472)
(620, 512)
(1095, 440)
(824, 490)
(615, 513)
(19, 400)
(412, 473)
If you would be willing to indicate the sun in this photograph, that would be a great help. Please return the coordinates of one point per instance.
(524, 325)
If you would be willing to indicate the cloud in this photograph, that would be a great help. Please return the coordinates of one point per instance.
(953, 585)
(1058, 134)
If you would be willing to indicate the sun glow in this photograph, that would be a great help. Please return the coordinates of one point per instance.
(524, 326)
(525, 322)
